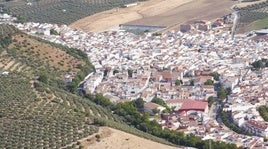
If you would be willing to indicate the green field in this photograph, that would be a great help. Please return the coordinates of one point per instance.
(259, 24)
(253, 12)
(58, 11)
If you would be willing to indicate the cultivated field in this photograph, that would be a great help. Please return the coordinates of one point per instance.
(156, 12)
(57, 11)
(256, 25)
(253, 16)
(37, 51)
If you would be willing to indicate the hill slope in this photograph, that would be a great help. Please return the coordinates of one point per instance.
(36, 108)
(253, 16)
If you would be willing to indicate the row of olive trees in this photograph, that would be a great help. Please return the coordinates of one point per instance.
(60, 12)
(27, 119)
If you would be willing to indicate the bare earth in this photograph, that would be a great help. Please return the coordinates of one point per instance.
(156, 13)
(120, 140)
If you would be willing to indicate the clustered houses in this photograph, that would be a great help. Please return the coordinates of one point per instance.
(248, 95)
(175, 67)
(5, 18)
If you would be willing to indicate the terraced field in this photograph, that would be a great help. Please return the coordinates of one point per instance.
(9, 64)
(58, 11)
(7, 29)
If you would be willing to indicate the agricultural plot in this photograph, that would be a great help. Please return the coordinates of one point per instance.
(31, 50)
(253, 12)
(30, 119)
(23, 53)
(58, 11)
(7, 29)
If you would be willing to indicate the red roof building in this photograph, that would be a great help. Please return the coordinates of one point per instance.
(194, 105)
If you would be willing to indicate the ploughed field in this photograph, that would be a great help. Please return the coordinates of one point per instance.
(168, 13)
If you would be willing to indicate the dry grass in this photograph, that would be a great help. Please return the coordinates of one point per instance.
(156, 12)
(116, 139)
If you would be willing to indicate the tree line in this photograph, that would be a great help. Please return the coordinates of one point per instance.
(129, 111)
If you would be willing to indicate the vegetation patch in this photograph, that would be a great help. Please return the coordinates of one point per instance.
(259, 24)
(263, 110)
(30, 119)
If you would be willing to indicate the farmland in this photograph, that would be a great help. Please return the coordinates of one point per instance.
(30, 119)
(254, 12)
(259, 24)
(23, 53)
(253, 16)
(58, 11)
(168, 13)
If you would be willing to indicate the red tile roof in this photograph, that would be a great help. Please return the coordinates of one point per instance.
(258, 124)
(189, 104)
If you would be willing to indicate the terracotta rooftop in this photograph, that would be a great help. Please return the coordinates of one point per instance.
(258, 124)
(193, 105)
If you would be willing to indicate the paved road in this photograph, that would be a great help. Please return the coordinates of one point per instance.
(235, 23)
(213, 110)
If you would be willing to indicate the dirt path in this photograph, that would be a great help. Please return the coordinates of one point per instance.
(156, 12)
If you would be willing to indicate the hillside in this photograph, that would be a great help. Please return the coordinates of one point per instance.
(253, 16)
(58, 11)
(36, 57)
(38, 119)
(36, 108)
